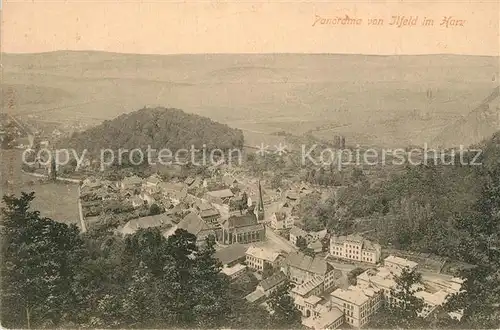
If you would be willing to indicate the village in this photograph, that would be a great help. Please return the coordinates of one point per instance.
(336, 280)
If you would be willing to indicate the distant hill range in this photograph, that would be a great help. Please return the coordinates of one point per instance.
(480, 124)
(158, 128)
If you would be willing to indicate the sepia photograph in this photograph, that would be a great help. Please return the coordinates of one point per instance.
(264, 164)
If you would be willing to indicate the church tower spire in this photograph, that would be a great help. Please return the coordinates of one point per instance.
(260, 205)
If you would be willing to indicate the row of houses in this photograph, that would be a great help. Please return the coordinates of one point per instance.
(356, 305)
(325, 306)
(350, 248)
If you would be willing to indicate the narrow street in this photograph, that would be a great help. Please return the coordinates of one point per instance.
(279, 242)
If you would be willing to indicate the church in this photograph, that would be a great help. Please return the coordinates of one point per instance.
(241, 229)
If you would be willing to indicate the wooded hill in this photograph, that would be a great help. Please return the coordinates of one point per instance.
(158, 128)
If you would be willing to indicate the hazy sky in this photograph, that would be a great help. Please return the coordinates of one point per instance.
(246, 27)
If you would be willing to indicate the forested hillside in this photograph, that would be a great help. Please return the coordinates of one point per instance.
(449, 210)
(158, 128)
(55, 277)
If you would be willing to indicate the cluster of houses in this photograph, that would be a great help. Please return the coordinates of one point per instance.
(320, 294)
(233, 215)
(228, 213)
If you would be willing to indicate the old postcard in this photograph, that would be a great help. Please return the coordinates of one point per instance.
(230, 164)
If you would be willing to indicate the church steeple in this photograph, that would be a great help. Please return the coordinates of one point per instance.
(260, 205)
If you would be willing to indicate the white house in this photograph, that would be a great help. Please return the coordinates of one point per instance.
(258, 258)
(281, 220)
(355, 248)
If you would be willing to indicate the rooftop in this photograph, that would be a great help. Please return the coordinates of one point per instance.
(153, 179)
(356, 239)
(229, 271)
(231, 253)
(352, 295)
(193, 223)
(324, 320)
(134, 180)
(433, 299)
(146, 222)
(381, 277)
(262, 253)
(400, 262)
(172, 187)
(296, 231)
(243, 220)
(304, 288)
(224, 193)
(313, 300)
(203, 205)
(316, 245)
(209, 213)
(313, 265)
(272, 281)
(189, 181)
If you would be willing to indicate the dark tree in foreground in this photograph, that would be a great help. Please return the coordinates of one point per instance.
(54, 276)
(479, 299)
(405, 305)
(284, 312)
(38, 255)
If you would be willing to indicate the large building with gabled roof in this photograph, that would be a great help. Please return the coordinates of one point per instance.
(301, 268)
(195, 225)
(355, 248)
(242, 229)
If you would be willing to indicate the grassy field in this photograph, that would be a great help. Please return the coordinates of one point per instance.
(57, 201)
(372, 100)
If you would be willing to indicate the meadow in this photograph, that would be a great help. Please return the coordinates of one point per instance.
(55, 200)
(386, 101)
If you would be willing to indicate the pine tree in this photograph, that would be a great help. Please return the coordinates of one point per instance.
(284, 312)
(405, 306)
(37, 267)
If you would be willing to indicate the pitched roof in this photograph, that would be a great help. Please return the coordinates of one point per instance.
(193, 223)
(357, 239)
(243, 220)
(189, 181)
(306, 287)
(172, 187)
(91, 183)
(262, 253)
(153, 179)
(321, 233)
(231, 253)
(313, 300)
(230, 271)
(304, 262)
(209, 213)
(272, 281)
(224, 193)
(146, 222)
(133, 180)
(401, 262)
(201, 205)
(325, 320)
(292, 195)
(352, 295)
(296, 231)
(315, 245)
